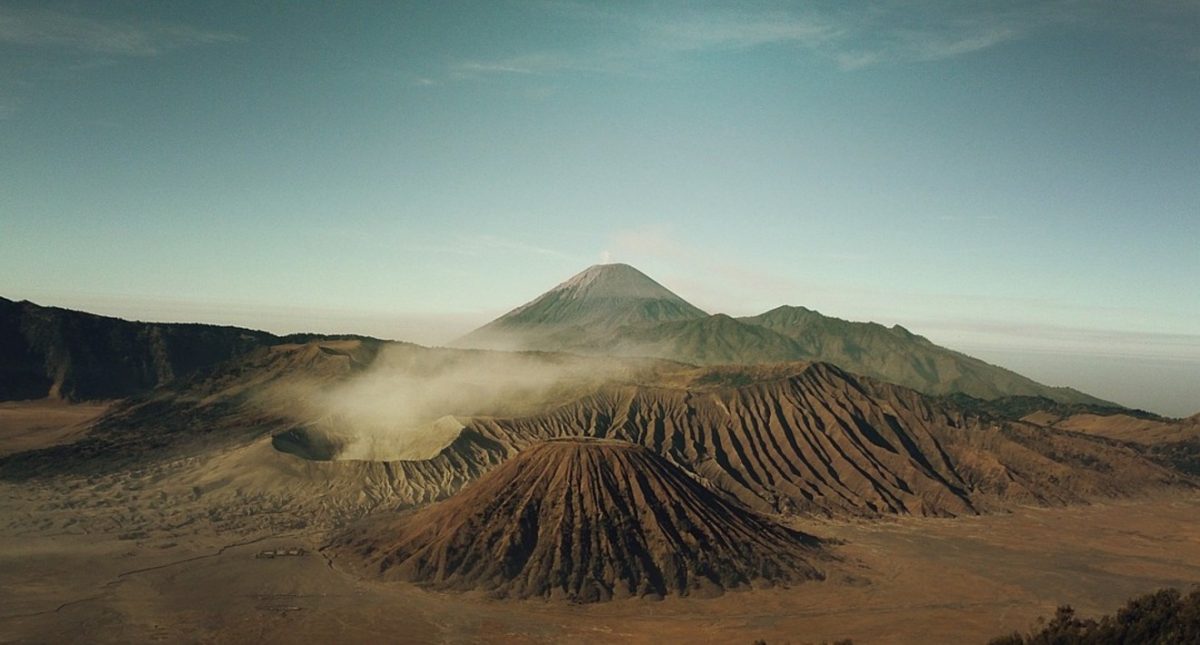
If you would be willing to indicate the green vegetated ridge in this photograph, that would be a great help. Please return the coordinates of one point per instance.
(616, 309)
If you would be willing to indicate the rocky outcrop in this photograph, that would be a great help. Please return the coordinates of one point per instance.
(75, 356)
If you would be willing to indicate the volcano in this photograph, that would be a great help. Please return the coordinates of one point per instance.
(594, 303)
(616, 310)
(583, 520)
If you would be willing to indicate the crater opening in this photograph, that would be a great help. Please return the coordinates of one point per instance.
(331, 440)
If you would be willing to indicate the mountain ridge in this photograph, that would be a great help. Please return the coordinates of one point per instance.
(649, 320)
(58, 353)
(898, 355)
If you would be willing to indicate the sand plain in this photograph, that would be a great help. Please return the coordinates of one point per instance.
(904, 580)
(171, 551)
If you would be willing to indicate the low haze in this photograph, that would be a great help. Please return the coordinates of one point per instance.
(405, 406)
(1016, 181)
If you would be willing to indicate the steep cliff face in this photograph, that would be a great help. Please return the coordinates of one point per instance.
(75, 356)
(582, 520)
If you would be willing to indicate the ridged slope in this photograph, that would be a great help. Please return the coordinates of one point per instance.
(810, 439)
(584, 520)
(823, 441)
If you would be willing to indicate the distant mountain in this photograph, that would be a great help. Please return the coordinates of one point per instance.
(593, 304)
(897, 355)
(616, 309)
(609, 309)
(711, 340)
(72, 355)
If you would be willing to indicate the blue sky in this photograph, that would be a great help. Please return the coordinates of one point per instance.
(1017, 180)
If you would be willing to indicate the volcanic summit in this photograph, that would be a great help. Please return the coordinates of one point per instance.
(599, 300)
(583, 520)
(616, 310)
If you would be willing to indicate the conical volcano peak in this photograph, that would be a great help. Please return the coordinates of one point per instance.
(583, 520)
(615, 281)
(601, 299)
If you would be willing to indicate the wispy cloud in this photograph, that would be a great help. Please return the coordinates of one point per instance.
(896, 33)
(107, 37)
(528, 64)
(494, 67)
(740, 31)
(928, 47)
(851, 40)
(900, 31)
(874, 34)
(69, 45)
(647, 41)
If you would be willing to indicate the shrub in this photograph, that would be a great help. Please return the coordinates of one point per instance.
(1165, 617)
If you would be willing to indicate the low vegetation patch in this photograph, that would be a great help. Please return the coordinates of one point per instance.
(1165, 617)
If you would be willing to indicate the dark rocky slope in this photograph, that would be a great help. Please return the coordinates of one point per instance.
(75, 356)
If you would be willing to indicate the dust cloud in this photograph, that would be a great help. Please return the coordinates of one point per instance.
(409, 403)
